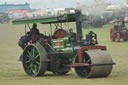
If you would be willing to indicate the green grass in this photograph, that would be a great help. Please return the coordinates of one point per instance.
(12, 73)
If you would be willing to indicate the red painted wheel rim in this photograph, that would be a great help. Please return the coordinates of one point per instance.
(111, 35)
(117, 38)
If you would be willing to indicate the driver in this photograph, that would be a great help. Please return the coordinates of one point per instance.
(91, 38)
(30, 36)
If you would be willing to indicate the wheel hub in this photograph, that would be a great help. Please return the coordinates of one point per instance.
(32, 59)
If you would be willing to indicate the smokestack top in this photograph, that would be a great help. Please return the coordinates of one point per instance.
(77, 11)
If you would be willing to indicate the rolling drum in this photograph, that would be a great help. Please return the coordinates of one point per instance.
(100, 61)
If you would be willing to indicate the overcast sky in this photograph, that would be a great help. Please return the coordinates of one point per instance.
(56, 3)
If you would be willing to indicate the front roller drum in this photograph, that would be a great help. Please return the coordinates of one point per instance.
(34, 57)
(99, 64)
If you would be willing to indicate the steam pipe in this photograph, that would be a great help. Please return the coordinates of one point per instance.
(78, 25)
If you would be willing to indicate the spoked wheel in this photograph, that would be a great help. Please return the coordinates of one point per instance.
(60, 69)
(118, 37)
(34, 57)
(58, 72)
(101, 60)
(125, 39)
(83, 71)
(112, 35)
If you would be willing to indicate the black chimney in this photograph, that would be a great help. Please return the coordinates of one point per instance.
(78, 25)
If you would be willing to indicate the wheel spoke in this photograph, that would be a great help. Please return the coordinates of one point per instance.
(88, 60)
(37, 56)
(29, 53)
(38, 63)
(36, 68)
(27, 61)
(84, 60)
(33, 68)
(28, 56)
(30, 67)
(33, 51)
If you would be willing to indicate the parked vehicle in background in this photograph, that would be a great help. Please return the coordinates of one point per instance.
(118, 31)
(4, 18)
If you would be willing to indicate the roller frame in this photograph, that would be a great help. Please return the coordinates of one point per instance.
(86, 48)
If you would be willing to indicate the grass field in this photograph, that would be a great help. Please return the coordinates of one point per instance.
(12, 73)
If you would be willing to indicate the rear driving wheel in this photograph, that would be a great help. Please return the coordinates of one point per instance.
(34, 57)
(62, 71)
(112, 35)
(118, 37)
(59, 67)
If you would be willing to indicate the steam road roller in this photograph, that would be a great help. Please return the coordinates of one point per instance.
(119, 31)
(62, 49)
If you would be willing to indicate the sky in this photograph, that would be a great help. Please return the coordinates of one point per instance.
(56, 3)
